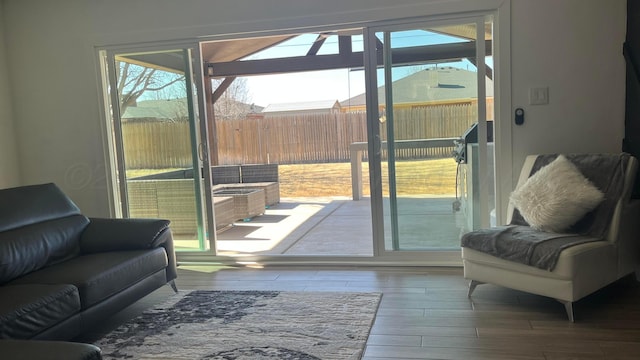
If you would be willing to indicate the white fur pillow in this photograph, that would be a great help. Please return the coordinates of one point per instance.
(556, 196)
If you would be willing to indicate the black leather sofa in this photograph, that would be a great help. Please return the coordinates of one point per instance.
(61, 272)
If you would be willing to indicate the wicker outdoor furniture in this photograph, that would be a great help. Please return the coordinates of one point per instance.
(271, 190)
(174, 199)
(240, 192)
(223, 207)
(171, 199)
(255, 173)
(247, 203)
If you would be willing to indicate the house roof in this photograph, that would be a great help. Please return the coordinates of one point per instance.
(302, 106)
(432, 84)
(134, 112)
(171, 109)
(157, 109)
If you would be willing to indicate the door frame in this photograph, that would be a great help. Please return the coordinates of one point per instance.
(375, 162)
(198, 131)
(502, 134)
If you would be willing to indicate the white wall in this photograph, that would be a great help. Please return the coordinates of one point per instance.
(572, 46)
(9, 170)
(575, 48)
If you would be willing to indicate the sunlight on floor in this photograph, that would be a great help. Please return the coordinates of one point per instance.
(265, 232)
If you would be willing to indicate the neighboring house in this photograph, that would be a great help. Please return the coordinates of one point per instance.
(230, 109)
(307, 107)
(134, 113)
(432, 86)
(176, 110)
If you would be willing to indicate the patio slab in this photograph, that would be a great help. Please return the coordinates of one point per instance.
(342, 227)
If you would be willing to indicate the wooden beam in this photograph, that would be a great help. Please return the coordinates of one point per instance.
(211, 123)
(487, 68)
(286, 65)
(313, 50)
(430, 53)
(224, 85)
(413, 55)
(344, 45)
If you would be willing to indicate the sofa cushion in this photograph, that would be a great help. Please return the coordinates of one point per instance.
(556, 197)
(35, 246)
(26, 205)
(26, 310)
(98, 276)
(104, 235)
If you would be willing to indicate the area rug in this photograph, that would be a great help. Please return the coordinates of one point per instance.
(253, 325)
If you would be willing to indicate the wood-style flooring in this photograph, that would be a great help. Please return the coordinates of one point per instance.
(425, 313)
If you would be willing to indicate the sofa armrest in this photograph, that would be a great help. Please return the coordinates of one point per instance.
(122, 234)
(103, 235)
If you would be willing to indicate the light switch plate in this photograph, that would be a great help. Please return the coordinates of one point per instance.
(539, 96)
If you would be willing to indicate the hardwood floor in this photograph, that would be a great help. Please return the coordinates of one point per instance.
(425, 313)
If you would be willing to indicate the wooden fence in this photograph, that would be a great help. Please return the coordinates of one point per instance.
(292, 139)
(156, 145)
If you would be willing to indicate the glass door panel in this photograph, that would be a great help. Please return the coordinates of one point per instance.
(264, 116)
(157, 137)
(436, 96)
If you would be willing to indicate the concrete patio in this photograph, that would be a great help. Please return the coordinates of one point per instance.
(341, 226)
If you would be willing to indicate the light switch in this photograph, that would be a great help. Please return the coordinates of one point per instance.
(539, 96)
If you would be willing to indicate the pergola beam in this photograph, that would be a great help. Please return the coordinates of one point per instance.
(344, 45)
(413, 55)
(317, 45)
(224, 85)
(487, 68)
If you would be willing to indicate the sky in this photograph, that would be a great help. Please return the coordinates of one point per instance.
(317, 85)
(308, 86)
(340, 84)
(328, 84)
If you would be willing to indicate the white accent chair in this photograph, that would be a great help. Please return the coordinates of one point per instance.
(581, 269)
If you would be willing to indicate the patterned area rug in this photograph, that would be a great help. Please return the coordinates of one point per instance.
(248, 325)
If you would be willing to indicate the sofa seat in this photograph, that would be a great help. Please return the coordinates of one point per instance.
(580, 269)
(561, 283)
(61, 273)
(48, 350)
(26, 310)
(98, 276)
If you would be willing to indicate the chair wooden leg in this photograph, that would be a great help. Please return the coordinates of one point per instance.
(472, 286)
(568, 306)
(172, 283)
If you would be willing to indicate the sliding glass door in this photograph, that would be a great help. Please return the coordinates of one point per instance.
(428, 141)
(430, 100)
(158, 143)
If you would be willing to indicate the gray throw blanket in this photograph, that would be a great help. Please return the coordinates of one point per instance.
(520, 243)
